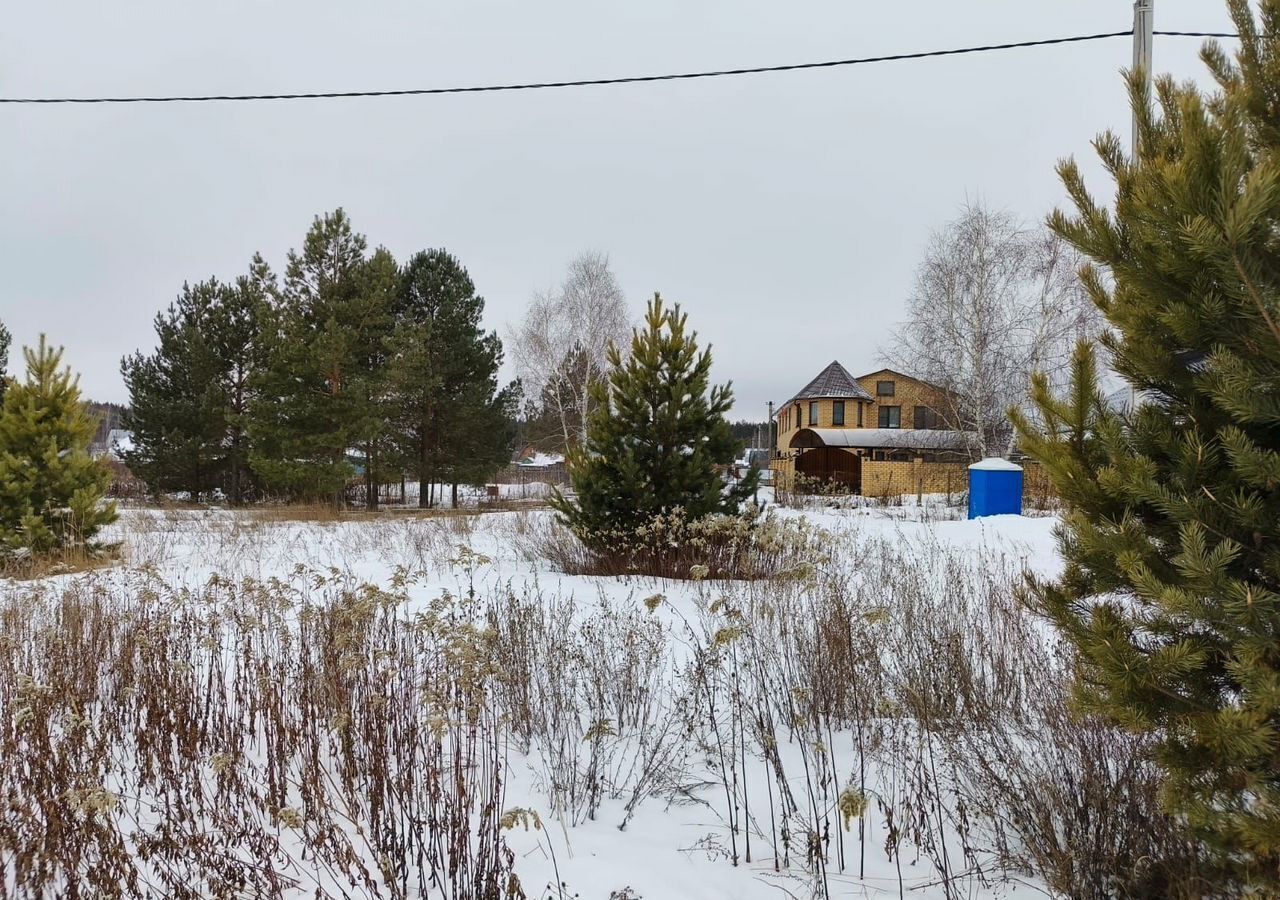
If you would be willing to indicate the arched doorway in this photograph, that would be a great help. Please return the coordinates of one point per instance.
(833, 464)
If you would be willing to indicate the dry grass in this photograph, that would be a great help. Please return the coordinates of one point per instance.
(313, 733)
(248, 739)
(65, 562)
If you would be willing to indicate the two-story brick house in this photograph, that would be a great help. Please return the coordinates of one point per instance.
(881, 433)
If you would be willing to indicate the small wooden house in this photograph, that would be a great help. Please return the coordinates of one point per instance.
(880, 434)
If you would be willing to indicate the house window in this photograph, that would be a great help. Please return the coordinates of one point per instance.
(859, 415)
(927, 418)
(891, 417)
(885, 388)
(813, 412)
(837, 412)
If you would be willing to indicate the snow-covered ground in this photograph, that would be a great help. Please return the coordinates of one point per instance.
(681, 832)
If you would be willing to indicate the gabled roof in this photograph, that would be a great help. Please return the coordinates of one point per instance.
(896, 373)
(833, 381)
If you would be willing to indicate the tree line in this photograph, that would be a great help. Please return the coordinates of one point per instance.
(350, 370)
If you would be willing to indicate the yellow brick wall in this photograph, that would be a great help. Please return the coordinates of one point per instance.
(826, 414)
(908, 394)
(886, 479)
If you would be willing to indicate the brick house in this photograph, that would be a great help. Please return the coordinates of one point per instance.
(880, 434)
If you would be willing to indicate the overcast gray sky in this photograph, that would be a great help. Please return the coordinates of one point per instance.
(786, 212)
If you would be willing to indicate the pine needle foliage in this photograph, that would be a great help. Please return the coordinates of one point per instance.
(51, 489)
(1171, 592)
(654, 437)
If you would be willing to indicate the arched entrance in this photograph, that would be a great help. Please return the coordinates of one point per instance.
(821, 462)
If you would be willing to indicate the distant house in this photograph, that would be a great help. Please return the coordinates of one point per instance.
(114, 444)
(878, 434)
(530, 457)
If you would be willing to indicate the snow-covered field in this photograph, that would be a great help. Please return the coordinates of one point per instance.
(650, 739)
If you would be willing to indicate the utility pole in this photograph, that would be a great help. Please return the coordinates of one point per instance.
(1143, 25)
(773, 450)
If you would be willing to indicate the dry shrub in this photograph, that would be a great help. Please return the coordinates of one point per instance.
(248, 739)
(745, 547)
(25, 566)
(905, 680)
(308, 734)
(992, 752)
(591, 695)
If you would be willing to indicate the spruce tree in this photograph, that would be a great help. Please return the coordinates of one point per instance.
(1171, 591)
(654, 437)
(179, 396)
(51, 489)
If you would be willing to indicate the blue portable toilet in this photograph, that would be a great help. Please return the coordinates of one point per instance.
(995, 488)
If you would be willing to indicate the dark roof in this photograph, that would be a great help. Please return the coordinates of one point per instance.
(833, 381)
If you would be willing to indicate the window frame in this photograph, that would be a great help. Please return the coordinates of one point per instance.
(837, 413)
(815, 413)
(885, 414)
(931, 420)
(892, 388)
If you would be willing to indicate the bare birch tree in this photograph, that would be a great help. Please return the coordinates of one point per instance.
(560, 348)
(994, 301)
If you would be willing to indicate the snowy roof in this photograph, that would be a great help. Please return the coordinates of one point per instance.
(880, 438)
(541, 460)
(996, 464)
(119, 441)
(833, 381)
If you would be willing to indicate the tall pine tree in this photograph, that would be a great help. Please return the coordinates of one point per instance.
(656, 433)
(51, 489)
(454, 425)
(1171, 592)
(238, 340)
(312, 405)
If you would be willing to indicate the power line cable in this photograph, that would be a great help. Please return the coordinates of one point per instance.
(594, 82)
(1203, 34)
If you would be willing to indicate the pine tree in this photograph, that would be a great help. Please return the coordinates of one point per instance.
(655, 435)
(1171, 592)
(312, 404)
(443, 372)
(237, 337)
(51, 490)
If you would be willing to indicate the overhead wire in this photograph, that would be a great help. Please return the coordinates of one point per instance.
(597, 82)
